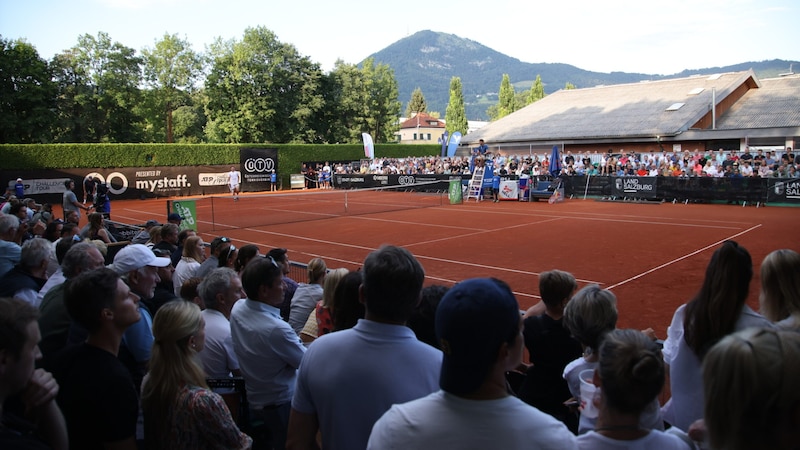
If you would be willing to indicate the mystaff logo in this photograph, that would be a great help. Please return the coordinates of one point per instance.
(163, 183)
(405, 179)
(259, 164)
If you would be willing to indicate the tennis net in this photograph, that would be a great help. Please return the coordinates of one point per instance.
(219, 213)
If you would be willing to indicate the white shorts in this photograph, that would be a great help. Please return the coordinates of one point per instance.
(234, 187)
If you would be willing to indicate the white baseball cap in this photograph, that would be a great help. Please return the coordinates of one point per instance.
(134, 257)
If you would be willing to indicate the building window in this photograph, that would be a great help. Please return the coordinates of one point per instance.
(429, 136)
(415, 136)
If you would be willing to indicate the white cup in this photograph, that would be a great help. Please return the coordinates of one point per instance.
(588, 391)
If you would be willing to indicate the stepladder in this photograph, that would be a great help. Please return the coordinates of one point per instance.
(476, 184)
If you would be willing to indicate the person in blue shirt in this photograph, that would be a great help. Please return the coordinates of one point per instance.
(19, 188)
(273, 179)
(496, 187)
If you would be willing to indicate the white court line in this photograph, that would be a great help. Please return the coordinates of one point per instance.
(682, 257)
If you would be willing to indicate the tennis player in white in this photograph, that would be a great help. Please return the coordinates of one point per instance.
(234, 180)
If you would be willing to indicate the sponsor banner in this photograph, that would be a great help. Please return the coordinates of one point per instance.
(256, 166)
(785, 190)
(357, 181)
(213, 179)
(639, 187)
(454, 191)
(188, 210)
(37, 186)
(297, 181)
(509, 190)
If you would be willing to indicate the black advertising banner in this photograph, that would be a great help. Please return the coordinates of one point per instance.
(637, 187)
(257, 164)
(784, 190)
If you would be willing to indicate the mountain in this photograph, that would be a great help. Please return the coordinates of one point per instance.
(429, 59)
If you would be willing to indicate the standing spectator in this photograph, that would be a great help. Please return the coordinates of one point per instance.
(234, 182)
(780, 288)
(69, 202)
(38, 423)
(480, 330)
(10, 251)
(19, 188)
(423, 319)
(193, 254)
(281, 256)
(751, 396)
(97, 395)
(54, 320)
(629, 376)
(175, 218)
(268, 350)
(307, 295)
(718, 309)
(26, 278)
(180, 412)
(273, 180)
(349, 378)
(220, 290)
(346, 307)
(320, 314)
(551, 348)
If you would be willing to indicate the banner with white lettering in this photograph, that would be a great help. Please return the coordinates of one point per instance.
(784, 190)
(634, 187)
(257, 165)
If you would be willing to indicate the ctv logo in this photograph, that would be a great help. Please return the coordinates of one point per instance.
(259, 164)
(405, 179)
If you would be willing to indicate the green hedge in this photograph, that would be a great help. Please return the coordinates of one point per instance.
(290, 157)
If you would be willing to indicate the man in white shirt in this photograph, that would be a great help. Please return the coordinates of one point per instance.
(220, 290)
(479, 328)
(234, 181)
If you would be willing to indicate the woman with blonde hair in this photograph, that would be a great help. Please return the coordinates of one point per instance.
(321, 319)
(194, 253)
(780, 288)
(755, 403)
(307, 295)
(155, 236)
(180, 411)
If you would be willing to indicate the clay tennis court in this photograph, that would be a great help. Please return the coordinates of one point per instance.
(652, 256)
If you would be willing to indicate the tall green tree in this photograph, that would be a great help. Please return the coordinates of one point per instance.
(99, 79)
(506, 103)
(344, 117)
(455, 114)
(382, 106)
(417, 104)
(171, 69)
(27, 94)
(537, 90)
(261, 90)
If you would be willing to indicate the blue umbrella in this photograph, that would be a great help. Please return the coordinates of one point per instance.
(555, 162)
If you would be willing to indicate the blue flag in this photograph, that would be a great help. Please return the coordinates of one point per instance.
(455, 139)
(555, 162)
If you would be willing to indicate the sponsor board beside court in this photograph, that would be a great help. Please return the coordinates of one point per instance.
(638, 187)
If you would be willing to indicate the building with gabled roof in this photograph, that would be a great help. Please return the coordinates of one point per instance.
(421, 128)
(664, 115)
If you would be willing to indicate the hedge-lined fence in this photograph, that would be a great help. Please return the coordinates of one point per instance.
(290, 157)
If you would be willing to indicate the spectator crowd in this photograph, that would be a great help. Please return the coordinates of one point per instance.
(147, 351)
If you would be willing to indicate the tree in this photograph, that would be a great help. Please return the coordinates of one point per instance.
(171, 69)
(506, 104)
(343, 118)
(569, 86)
(455, 114)
(537, 90)
(417, 104)
(98, 91)
(262, 90)
(382, 105)
(27, 94)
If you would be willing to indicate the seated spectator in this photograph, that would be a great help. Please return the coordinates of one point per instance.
(164, 291)
(144, 235)
(57, 277)
(10, 250)
(718, 309)
(346, 308)
(190, 293)
(38, 422)
(423, 319)
(245, 254)
(97, 230)
(320, 313)
(218, 245)
(780, 288)
(180, 412)
(550, 348)
(97, 395)
(479, 327)
(194, 253)
(307, 295)
(629, 376)
(227, 258)
(155, 236)
(169, 238)
(755, 404)
(26, 278)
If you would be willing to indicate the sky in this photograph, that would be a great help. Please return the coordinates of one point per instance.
(660, 38)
